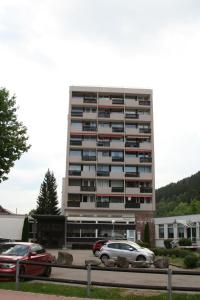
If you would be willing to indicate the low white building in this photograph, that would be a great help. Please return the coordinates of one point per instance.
(177, 227)
(11, 226)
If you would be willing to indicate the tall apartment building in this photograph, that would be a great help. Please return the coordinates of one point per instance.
(108, 189)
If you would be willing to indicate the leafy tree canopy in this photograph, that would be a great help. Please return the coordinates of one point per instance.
(181, 198)
(47, 202)
(13, 134)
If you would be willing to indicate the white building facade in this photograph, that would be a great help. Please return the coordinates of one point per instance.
(177, 227)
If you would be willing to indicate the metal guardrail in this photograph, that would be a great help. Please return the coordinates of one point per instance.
(89, 268)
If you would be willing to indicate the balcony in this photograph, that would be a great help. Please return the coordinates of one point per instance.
(116, 175)
(89, 128)
(105, 102)
(117, 158)
(89, 144)
(131, 103)
(85, 188)
(103, 173)
(89, 99)
(75, 159)
(117, 145)
(131, 116)
(88, 174)
(132, 144)
(102, 204)
(89, 157)
(103, 189)
(132, 190)
(105, 130)
(132, 205)
(89, 115)
(75, 142)
(104, 159)
(144, 102)
(74, 172)
(117, 116)
(117, 129)
(145, 189)
(145, 130)
(146, 145)
(73, 203)
(117, 189)
(117, 101)
(132, 160)
(145, 117)
(73, 189)
(132, 174)
(145, 159)
(76, 113)
(131, 131)
(103, 114)
(103, 143)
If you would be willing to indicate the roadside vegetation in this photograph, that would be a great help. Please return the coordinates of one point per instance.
(96, 293)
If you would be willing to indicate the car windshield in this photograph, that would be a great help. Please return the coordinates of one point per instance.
(15, 250)
(134, 245)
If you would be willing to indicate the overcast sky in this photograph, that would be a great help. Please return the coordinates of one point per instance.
(48, 45)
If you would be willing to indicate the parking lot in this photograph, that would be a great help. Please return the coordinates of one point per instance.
(79, 257)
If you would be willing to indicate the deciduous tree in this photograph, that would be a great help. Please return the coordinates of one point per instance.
(13, 134)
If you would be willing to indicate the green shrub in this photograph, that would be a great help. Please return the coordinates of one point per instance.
(191, 261)
(168, 243)
(171, 252)
(185, 242)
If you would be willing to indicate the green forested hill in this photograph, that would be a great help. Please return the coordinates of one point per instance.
(181, 198)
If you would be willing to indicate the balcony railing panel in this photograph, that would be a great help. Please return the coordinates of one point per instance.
(132, 205)
(73, 203)
(102, 204)
(117, 189)
(144, 189)
(88, 188)
(74, 173)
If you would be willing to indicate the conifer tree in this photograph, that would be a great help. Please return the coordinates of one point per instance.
(47, 202)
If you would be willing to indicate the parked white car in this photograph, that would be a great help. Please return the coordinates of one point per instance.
(128, 249)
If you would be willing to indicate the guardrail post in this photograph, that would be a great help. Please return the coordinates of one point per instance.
(169, 285)
(88, 279)
(17, 275)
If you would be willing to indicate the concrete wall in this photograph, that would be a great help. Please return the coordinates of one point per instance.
(11, 226)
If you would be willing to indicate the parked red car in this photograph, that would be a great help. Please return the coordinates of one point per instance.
(26, 252)
(97, 246)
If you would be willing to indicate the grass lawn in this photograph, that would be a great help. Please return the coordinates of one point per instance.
(98, 293)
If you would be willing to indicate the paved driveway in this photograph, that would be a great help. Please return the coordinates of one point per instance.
(119, 277)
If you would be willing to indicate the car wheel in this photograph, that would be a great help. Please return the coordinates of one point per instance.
(104, 258)
(47, 271)
(96, 253)
(141, 258)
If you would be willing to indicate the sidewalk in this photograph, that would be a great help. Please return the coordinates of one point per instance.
(16, 295)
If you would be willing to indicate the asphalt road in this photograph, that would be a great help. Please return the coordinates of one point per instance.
(79, 257)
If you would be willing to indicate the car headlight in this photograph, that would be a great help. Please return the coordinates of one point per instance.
(7, 266)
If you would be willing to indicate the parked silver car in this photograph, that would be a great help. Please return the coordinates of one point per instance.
(128, 249)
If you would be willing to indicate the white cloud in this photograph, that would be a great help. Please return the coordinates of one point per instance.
(48, 45)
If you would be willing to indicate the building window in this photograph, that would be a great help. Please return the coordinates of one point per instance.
(116, 169)
(180, 229)
(170, 231)
(161, 231)
(75, 153)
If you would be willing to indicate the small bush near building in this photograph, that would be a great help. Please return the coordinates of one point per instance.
(185, 242)
(168, 243)
(191, 261)
(171, 252)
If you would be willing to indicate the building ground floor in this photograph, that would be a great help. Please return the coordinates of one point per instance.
(66, 231)
(177, 227)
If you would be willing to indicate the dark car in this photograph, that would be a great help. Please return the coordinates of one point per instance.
(14, 251)
(97, 246)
